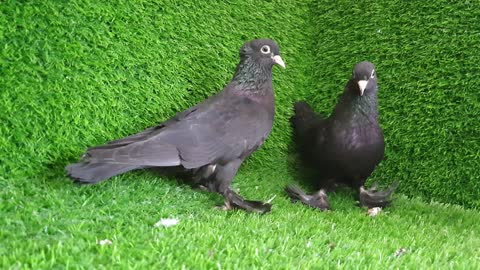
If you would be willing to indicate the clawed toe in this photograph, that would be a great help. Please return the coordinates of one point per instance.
(317, 200)
(376, 198)
(256, 206)
(234, 201)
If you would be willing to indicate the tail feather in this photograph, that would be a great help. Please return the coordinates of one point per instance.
(141, 136)
(91, 173)
(140, 154)
(102, 163)
(303, 118)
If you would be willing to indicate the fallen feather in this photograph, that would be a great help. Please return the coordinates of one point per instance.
(105, 242)
(167, 222)
(271, 199)
(374, 211)
(400, 252)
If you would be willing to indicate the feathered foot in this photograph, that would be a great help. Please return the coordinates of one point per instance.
(234, 201)
(376, 198)
(317, 200)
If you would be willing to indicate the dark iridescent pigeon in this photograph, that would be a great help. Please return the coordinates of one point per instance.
(210, 140)
(345, 147)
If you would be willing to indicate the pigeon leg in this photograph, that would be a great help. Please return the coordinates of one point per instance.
(317, 200)
(224, 176)
(376, 198)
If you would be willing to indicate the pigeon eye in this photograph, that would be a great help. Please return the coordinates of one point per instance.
(265, 49)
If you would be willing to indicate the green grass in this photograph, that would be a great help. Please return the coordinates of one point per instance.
(79, 73)
(54, 225)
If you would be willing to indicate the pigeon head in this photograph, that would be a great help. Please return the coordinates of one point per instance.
(364, 76)
(263, 52)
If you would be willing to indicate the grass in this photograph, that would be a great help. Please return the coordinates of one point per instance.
(79, 73)
(53, 225)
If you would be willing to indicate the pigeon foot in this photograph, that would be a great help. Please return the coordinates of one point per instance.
(376, 198)
(234, 201)
(317, 200)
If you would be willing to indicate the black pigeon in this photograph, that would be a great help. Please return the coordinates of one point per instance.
(210, 140)
(346, 147)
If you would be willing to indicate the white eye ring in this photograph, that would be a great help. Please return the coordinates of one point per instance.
(373, 74)
(265, 49)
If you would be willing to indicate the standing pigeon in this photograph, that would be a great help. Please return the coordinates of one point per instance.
(345, 147)
(210, 140)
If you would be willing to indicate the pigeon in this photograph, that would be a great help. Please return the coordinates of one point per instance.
(346, 147)
(209, 140)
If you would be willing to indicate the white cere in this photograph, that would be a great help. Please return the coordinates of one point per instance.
(265, 49)
(373, 74)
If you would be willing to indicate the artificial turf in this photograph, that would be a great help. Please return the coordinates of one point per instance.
(79, 73)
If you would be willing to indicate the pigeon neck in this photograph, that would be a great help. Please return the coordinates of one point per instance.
(252, 78)
(360, 110)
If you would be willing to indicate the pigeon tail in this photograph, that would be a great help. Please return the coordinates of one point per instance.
(101, 163)
(303, 118)
(91, 173)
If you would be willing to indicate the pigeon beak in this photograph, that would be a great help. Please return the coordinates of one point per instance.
(278, 60)
(362, 84)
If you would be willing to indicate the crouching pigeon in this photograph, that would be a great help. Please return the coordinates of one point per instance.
(346, 147)
(209, 140)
